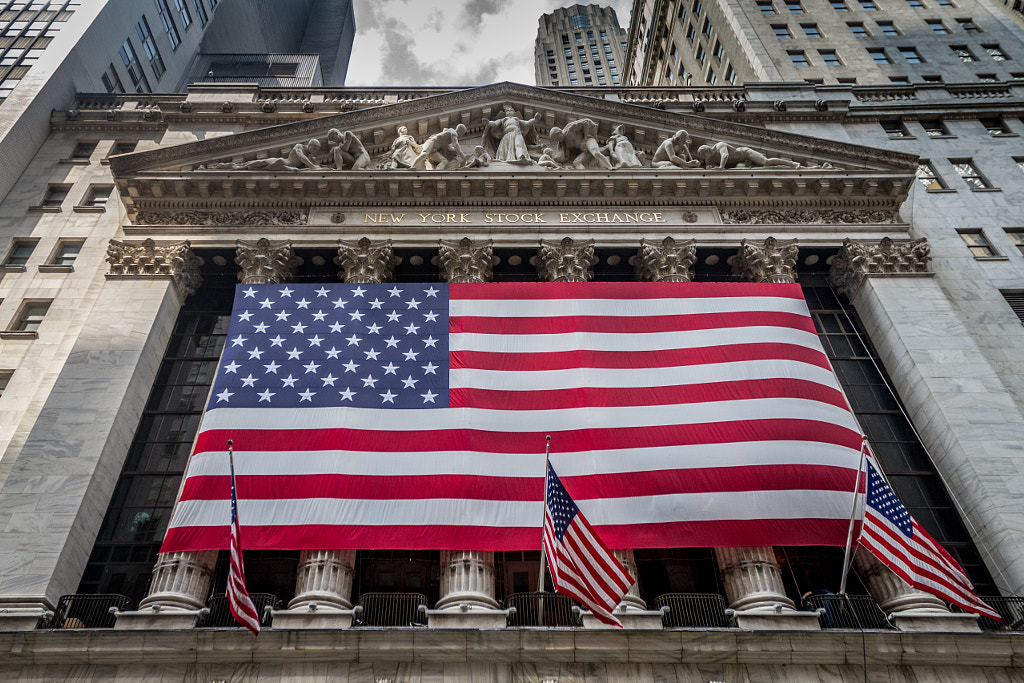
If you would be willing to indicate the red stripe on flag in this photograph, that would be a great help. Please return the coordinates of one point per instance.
(638, 324)
(508, 291)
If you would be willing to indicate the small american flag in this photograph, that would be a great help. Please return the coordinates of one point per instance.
(581, 566)
(239, 601)
(901, 544)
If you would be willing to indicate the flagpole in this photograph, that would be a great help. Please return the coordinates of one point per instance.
(853, 515)
(543, 516)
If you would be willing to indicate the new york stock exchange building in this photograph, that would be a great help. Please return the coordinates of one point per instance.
(145, 219)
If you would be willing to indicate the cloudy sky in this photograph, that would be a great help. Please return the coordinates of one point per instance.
(450, 42)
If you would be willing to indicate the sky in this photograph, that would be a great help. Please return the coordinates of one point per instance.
(450, 42)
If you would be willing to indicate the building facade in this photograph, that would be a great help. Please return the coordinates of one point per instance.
(580, 45)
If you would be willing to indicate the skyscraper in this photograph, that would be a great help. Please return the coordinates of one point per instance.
(579, 45)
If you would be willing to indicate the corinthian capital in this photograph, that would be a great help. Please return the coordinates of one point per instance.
(264, 262)
(365, 262)
(773, 262)
(465, 260)
(149, 259)
(566, 261)
(669, 261)
(857, 260)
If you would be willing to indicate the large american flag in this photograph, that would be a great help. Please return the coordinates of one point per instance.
(581, 566)
(892, 535)
(414, 416)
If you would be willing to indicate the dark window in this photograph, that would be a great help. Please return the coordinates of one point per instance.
(30, 316)
(97, 196)
(131, 63)
(165, 19)
(829, 57)
(66, 253)
(811, 30)
(19, 253)
(977, 243)
(968, 24)
(794, 7)
(124, 147)
(934, 128)
(83, 150)
(5, 378)
(911, 55)
(781, 31)
(995, 126)
(888, 28)
(1016, 298)
(799, 58)
(878, 54)
(894, 128)
(579, 21)
(996, 53)
(964, 53)
(706, 29)
(937, 26)
(766, 6)
(987, 78)
(868, 5)
(55, 195)
(186, 17)
(839, 5)
(111, 81)
(915, 4)
(857, 28)
(719, 50)
(149, 47)
(899, 80)
(200, 12)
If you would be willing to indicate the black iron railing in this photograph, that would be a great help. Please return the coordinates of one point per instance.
(1011, 609)
(847, 611)
(543, 609)
(391, 609)
(220, 614)
(693, 610)
(86, 611)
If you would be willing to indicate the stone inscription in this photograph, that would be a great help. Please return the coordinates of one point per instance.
(533, 217)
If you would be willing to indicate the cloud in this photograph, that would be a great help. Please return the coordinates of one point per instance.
(474, 10)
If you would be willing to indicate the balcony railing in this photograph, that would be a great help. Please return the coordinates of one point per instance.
(391, 609)
(1011, 609)
(693, 610)
(220, 614)
(86, 611)
(847, 611)
(543, 609)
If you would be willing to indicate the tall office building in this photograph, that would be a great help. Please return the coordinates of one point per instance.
(579, 45)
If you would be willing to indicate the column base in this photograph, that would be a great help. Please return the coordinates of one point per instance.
(467, 617)
(157, 619)
(313, 617)
(934, 621)
(20, 618)
(632, 620)
(770, 619)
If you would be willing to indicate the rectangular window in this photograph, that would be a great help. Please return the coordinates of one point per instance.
(675, 51)
(799, 58)
(83, 150)
(894, 128)
(916, 4)
(200, 12)
(846, 81)
(706, 29)
(970, 173)
(794, 7)
(968, 24)
(945, 3)
(169, 27)
(878, 54)
(987, 78)
(888, 28)
(932, 79)
(937, 26)
(66, 253)
(781, 32)
(911, 55)
(839, 5)
(995, 126)
(963, 53)
(30, 316)
(996, 53)
(1016, 301)
(131, 63)
(829, 57)
(719, 51)
(712, 78)
(55, 195)
(927, 176)
(868, 5)
(19, 253)
(149, 47)
(811, 30)
(97, 196)
(1016, 236)
(701, 55)
(766, 6)
(691, 33)
(935, 128)
(730, 75)
(186, 17)
(977, 243)
(857, 29)
(697, 7)
(5, 378)
(111, 81)
(899, 80)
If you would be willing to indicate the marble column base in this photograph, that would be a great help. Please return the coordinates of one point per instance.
(471, 617)
(20, 618)
(161, 619)
(769, 619)
(321, 617)
(632, 620)
(934, 621)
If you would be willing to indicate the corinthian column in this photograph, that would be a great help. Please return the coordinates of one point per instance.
(365, 262)
(264, 262)
(566, 261)
(466, 260)
(667, 261)
(773, 262)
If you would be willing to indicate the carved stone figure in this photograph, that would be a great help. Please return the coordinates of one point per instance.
(547, 159)
(621, 150)
(346, 151)
(675, 153)
(577, 145)
(442, 150)
(508, 138)
(566, 261)
(669, 261)
(478, 159)
(300, 157)
(404, 149)
(466, 260)
(722, 155)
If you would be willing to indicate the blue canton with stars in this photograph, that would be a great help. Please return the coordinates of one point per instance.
(883, 499)
(563, 509)
(327, 345)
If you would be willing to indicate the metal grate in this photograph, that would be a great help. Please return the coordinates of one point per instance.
(847, 611)
(543, 609)
(220, 614)
(693, 610)
(87, 611)
(391, 609)
(1010, 609)
(1016, 301)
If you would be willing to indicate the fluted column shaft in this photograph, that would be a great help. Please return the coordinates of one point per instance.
(632, 597)
(181, 580)
(324, 577)
(891, 592)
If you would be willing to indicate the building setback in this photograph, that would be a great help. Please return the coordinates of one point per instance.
(579, 45)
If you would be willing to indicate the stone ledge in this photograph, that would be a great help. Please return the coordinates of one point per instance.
(54, 268)
(18, 334)
(12, 269)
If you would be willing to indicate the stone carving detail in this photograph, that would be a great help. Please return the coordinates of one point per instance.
(345, 150)
(253, 218)
(365, 262)
(722, 155)
(508, 138)
(777, 217)
(265, 262)
(324, 577)
(301, 156)
(752, 578)
(669, 261)
(181, 580)
(147, 258)
(404, 150)
(621, 151)
(566, 261)
(675, 153)
(856, 260)
(773, 262)
(441, 151)
(577, 145)
(466, 261)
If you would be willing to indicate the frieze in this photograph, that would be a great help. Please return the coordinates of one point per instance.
(827, 216)
(253, 218)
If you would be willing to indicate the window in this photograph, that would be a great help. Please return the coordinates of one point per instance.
(19, 253)
(911, 55)
(868, 5)
(701, 55)
(839, 5)
(963, 53)
(149, 47)
(977, 243)
(97, 196)
(968, 24)
(878, 54)
(798, 58)
(935, 128)
(1016, 236)
(169, 27)
(200, 12)
(1020, 162)
(675, 51)
(888, 28)
(691, 33)
(83, 150)
(186, 17)
(995, 126)
(937, 26)
(66, 253)
(766, 6)
(124, 147)
(794, 6)
(846, 81)
(894, 128)
(706, 29)
(811, 30)
(719, 51)
(131, 63)
(55, 195)
(1016, 301)
(927, 176)
(829, 57)
(987, 78)
(781, 31)
(970, 173)
(996, 53)
(857, 28)
(730, 76)
(111, 81)
(915, 4)
(899, 80)
(712, 78)
(668, 75)
(945, 3)
(5, 378)
(697, 7)
(31, 314)
(580, 21)
(932, 79)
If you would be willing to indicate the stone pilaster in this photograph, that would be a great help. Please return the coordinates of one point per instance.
(365, 262)
(181, 580)
(467, 578)
(774, 261)
(667, 261)
(324, 578)
(465, 260)
(147, 258)
(566, 261)
(859, 260)
(265, 262)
